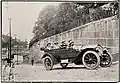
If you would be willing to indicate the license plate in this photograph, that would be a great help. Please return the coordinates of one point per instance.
(64, 61)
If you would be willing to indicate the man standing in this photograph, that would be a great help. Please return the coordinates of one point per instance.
(32, 61)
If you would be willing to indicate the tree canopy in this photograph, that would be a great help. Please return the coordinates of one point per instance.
(6, 42)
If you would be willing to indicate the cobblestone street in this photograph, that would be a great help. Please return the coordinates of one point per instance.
(72, 73)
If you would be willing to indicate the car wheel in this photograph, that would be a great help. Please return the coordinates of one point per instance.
(48, 62)
(91, 60)
(64, 65)
(106, 60)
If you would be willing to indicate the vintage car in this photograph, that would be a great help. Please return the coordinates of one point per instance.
(90, 56)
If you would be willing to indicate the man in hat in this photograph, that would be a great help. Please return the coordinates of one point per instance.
(32, 61)
(48, 46)
(71, 44)
(63, 45)
(56, 46)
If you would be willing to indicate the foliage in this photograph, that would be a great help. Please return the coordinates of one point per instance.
(6, 42)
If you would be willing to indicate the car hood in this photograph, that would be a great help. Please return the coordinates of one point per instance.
(84, 46)
(88, 46)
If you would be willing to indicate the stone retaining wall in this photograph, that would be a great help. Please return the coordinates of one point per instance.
(104, 32)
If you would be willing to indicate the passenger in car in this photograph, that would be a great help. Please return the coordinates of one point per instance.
(48, 46)
(56, 45)
(71, 44)
(63, 45)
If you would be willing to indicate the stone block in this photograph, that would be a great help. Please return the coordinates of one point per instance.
(110, 42)
(75, 33)
(111, 50)
(101, 41)
(104, 25)
(97, 34)
(103, 34)
(78, 41)
(67, 36)
(116, 43)
(80, 33)
(60, 37)
(95, 26)
(115, 50)
(56, 37)
(85, 41)
(110, 34)
(98, 28)
(86, 27)
(86, 34)
(109, 24)
(70, 34)
(116, 33)
(92, 34)
(91, 41)
(115, 24)
(90, 27)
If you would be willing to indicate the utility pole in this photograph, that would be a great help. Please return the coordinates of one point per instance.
(16, 48)
(9, 19)
(10, 39)
(17, 54)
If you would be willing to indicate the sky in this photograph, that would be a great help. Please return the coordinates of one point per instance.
(24, 15)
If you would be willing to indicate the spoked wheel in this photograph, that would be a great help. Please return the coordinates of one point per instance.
(48, 62)
(91, 59)
(106, 60)
(64, 65)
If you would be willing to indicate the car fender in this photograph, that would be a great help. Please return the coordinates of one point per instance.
(52, 57)
(84, 48)
(88, 47)
(46, 54)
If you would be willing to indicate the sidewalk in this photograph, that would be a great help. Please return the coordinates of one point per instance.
(7, 73)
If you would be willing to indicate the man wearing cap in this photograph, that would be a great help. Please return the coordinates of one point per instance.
(71, 44)
(48, 46)
(63, 45)
(56, 46)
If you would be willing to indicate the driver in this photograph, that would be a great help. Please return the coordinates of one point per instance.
(63, 45)
(48, 46)
(71, 44)
(56, 46)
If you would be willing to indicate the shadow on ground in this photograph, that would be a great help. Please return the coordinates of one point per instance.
(69, 68)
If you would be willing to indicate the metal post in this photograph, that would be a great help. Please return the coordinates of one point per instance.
(8, 53)
(10, 39)
(9, 19)
(16, 48)
(17, 54)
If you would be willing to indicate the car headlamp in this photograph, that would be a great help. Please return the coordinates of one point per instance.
(104, 48)
(99, 49)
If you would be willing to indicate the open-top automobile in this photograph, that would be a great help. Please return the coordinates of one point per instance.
(91, 56)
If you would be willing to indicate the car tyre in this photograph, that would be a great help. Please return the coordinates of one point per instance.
(91, 58)
(106, 60)
(48, 62)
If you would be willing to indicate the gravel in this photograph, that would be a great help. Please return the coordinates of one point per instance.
(71, 73)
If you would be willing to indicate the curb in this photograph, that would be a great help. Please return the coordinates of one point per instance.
(115, 62)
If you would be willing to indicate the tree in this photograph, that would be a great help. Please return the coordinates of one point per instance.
(18, 42)
(43, 20)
